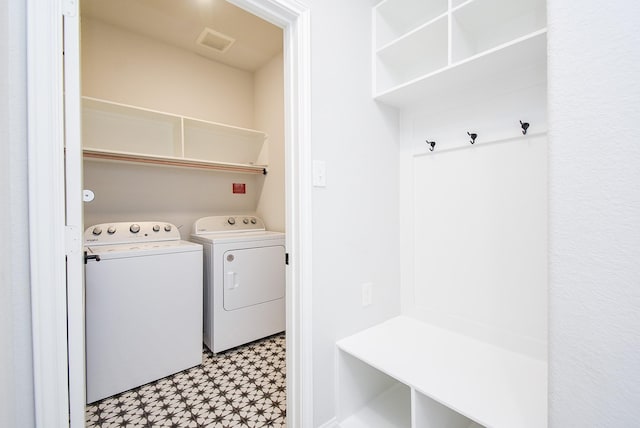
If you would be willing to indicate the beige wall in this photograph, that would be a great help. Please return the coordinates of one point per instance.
(121, 66)
(135, 192)
(269, 117)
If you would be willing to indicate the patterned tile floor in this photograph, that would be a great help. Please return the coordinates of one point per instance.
(243, 387)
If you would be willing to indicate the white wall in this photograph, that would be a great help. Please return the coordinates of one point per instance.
(594, 105)
(268, 115)
(16, 372)
(474, 235)
(355, 218)
(124, 67)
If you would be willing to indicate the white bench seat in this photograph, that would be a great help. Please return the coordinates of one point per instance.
(490, 385)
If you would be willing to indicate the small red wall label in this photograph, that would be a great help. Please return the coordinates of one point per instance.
(239, 188)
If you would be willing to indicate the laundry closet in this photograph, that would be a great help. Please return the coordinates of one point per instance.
(167, 127)
(182, 124)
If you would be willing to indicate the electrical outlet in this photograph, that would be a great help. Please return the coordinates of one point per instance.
(367, 294)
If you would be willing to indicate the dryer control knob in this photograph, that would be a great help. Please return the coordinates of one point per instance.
(231, 221)
(111, 230)
(156, 228)
(253, 221)
(167, 228)
(96, 231)
(245, 221)
(135, 228)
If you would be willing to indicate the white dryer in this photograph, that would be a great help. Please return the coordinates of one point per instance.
(244, 280)
(143, 305)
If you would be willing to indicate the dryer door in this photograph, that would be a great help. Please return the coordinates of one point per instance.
(253, 276)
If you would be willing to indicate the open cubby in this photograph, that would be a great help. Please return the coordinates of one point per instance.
(482, 25)
(418, 53)
(429, 413)
(421, 40)
(371, 398)
(444, 378)
(395, 18)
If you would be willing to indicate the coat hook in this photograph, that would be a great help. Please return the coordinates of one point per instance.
(524, 126)
(473, 137)
(432, 145)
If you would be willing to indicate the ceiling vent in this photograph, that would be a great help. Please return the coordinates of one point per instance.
(214, 40)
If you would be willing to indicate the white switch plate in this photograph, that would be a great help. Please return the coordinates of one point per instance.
(319, 174)
(367, 294)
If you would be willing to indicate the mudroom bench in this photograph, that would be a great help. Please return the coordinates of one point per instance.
(407, 373)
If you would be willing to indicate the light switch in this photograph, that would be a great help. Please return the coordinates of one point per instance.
(319, 174)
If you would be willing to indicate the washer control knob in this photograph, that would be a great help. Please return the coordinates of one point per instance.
(135, 228)
(231, 221)
(156, 228)
(245, 221)
(97, 231)
(167, 228)
(253, 221)
(111, 230)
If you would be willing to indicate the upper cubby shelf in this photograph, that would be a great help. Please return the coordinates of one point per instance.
(119, 132)
(395, 18)
(425, 45)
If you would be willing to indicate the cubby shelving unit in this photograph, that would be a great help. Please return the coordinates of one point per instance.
(423, 48)
(407, 373)
(124, 133)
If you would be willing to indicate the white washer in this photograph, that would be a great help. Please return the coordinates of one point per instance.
(143, 305)
(244, 280)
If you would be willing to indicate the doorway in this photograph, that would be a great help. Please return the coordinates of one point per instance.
(168, 85)
(47, 133)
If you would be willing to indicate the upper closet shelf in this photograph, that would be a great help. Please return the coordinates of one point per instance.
(121, 132)
(425, 48)
(173, 161)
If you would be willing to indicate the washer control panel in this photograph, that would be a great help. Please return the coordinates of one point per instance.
(127, 232)
(227, 224)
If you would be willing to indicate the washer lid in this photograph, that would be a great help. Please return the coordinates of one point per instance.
(141, 249)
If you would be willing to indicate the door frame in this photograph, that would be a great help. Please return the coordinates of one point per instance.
(51, 240)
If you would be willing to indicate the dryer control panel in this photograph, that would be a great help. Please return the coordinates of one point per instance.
(227, 224)
(130, 231)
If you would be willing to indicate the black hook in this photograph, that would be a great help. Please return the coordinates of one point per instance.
(432, 145)
(524, 126)
(473, 137)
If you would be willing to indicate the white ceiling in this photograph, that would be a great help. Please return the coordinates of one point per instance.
(180, 22)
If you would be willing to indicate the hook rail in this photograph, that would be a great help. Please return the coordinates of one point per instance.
(483, 144)
(523, 125)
